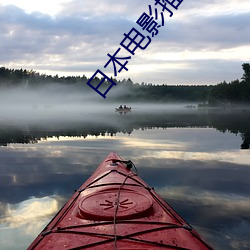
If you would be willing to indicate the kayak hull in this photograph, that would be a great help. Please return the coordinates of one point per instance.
(116, 209)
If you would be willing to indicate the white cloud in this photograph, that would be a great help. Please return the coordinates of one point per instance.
(45, 6)
(74, 37)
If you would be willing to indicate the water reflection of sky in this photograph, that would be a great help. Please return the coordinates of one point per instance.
(199, 171)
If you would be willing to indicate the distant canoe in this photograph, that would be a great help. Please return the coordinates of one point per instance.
(125, 110)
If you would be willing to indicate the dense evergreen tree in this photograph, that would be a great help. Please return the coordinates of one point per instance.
(233, 92)
(246, 75)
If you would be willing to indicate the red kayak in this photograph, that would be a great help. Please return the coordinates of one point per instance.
(116, 209)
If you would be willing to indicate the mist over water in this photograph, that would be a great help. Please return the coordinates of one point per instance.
(59, 109)
(63, 103)
(48, 102)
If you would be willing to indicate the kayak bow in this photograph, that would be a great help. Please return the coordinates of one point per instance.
(116, 209)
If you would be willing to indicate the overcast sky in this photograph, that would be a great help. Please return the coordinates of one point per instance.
(204, 42)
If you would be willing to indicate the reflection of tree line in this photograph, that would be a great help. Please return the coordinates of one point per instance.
(222, 120)
(234, 123)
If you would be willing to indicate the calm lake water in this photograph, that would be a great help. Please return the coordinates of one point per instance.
(197, 160)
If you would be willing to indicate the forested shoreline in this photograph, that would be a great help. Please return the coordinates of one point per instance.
(234, 92)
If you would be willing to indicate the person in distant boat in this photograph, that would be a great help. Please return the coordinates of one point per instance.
(125, 106)
(120, 107)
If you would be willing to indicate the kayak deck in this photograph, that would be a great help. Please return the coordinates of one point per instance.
(116, 209)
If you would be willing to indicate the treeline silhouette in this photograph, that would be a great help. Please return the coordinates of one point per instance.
(236, 91)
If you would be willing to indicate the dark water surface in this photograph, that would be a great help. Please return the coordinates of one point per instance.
(193, 158)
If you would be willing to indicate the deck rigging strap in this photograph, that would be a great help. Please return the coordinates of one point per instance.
(129, 164)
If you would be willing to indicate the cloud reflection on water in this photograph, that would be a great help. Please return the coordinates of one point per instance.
(31, 210)
(21, 222)
(208, 184)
